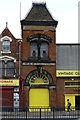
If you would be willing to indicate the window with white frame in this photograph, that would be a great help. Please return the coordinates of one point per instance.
(6, 41)
(7, 68)
(5, 45)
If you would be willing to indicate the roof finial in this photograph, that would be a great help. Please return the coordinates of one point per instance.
(6, 24)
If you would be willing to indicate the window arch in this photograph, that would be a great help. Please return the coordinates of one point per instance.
(6, 44)
(7, 67)
(39, 50)
(35, 77)
(39, 46)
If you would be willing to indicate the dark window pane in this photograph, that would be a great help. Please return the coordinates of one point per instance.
(0, 64)
(3, 72)
(7, 68)
(0, 72)
(6, 45)
(10, 64)
(44, 50)
(33, 49)
(10, 68)
(71, 83)
(9, 71)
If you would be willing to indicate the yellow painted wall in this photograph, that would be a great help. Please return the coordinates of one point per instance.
(71, 98)
(38, 97)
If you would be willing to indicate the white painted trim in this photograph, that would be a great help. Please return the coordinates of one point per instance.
(6, 37)
(7, 57)
(5, 52)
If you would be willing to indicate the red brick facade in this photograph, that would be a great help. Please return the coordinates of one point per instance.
(26, 69)
(6, 87)
(36, 30)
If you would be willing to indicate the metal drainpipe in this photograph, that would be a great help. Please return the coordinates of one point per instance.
(19, 57)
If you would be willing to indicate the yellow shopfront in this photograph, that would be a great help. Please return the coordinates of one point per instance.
(74, 99)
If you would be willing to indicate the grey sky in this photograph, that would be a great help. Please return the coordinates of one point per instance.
(64, 11)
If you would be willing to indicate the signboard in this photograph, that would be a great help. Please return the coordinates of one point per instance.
(67, 73)
(9, 82)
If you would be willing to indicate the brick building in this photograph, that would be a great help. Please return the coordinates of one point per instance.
(9, 65)
(42, 73)
(39, 57)
(68, 74)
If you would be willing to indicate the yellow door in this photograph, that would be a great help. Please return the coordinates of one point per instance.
(38, 98)
(71, 97)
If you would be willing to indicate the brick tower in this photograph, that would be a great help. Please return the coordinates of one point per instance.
(39, 57)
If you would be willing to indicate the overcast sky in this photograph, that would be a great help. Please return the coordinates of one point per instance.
(64, 11)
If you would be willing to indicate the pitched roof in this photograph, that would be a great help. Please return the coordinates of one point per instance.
(39, 14)
(6, 32)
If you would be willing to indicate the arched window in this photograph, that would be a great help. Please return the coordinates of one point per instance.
(39, 46)
(39, 50)
(44, 50)
(7, 68)
(5, 45)
(33, 49)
